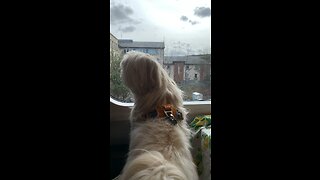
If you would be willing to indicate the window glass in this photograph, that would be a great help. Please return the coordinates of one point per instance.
(175, 32)
(152, 51)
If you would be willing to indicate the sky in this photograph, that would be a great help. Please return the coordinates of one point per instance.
(184, 25)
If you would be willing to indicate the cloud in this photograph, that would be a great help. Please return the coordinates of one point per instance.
(184, 18)
(193, 22)
(202, 11)
(121, 14)
(127, 29)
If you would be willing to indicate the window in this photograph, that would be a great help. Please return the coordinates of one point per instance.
(180, 41)
(152, 51)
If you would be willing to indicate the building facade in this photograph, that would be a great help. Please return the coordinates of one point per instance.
(114, 44)
(122, 46)
(189, 68)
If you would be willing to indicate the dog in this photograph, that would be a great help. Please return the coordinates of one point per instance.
(159, 146)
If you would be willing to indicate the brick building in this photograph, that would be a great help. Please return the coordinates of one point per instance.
(189, 68)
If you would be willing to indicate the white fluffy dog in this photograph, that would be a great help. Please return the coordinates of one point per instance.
(159, 139)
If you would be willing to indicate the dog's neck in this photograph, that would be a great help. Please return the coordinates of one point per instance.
(167, 111)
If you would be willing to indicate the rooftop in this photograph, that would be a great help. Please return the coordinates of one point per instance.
(127, 43)
(191, 59)
(113, 36)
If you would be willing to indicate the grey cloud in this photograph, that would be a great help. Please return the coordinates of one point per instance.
(193, 22)
(202, 11)
(184, 18)
(121, 14)
(127, 29)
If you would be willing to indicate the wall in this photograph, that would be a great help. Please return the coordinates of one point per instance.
(114, 44)
(191, 71)
(205, 71)
(179, 71)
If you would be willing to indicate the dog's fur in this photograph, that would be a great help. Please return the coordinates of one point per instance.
(158, 150)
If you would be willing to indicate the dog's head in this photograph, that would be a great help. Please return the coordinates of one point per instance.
(141, 73)
(147, 80)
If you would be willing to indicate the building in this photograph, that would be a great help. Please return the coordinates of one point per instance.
(155, 49)
(114, 44)
(189, 68)
(122, 46)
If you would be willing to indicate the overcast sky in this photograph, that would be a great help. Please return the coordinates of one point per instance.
(184, 25)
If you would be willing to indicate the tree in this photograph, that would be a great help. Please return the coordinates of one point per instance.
(117, 89)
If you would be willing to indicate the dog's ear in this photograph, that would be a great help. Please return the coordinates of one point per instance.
(141, 73)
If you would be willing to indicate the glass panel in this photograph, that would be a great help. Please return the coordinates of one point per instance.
(176, 32)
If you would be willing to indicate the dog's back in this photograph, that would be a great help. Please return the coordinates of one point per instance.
(151, 165)
(159, 151)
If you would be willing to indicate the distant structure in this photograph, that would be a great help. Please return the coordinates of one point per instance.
(114, 44)
(122, 46)
(189, 68)
(155, 49)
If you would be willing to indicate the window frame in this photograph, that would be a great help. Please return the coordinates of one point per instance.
(121, 110)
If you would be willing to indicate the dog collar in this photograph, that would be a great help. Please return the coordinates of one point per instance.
(167, 111)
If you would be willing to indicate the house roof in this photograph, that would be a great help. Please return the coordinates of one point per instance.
(127, 43)
(191, 59)
(113, 36)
